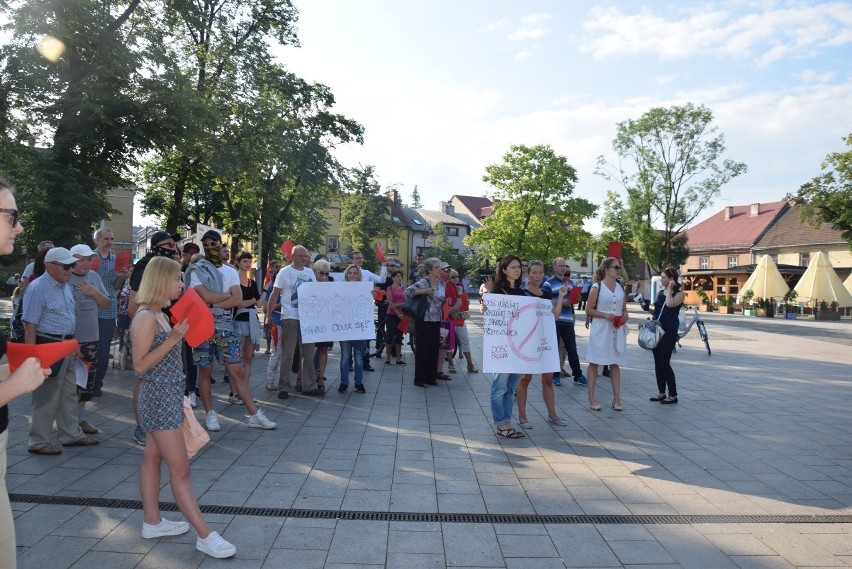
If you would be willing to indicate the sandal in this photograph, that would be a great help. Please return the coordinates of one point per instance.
(658, 397)
(321, 384)
(472, 369)
(669, 400)
(444, 376)
(510, 433)
(451, 368)
(525, 424)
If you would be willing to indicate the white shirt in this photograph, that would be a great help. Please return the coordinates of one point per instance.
(367, 275)
(230, 277)
(288, 281)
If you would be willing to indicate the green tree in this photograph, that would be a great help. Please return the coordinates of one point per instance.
(616, 227)
(75, 121)
(365, 213)
(444, 249)
(828, 197)
(536, 215)
(415, 198)
(669, 162)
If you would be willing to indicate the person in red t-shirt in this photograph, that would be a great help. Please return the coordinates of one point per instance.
(460, 316)
(451, 306)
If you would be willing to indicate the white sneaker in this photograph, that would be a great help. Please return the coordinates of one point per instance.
(215, 546)
(259, 421)
(165, 527)
(193, 400)
(235, 400)
(271, 385)
(212, 421)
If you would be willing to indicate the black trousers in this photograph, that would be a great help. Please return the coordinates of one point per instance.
(662, 363)
(426, 352)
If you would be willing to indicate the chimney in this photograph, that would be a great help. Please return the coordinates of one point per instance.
(447, 208)
(755, 209)
(729, 212)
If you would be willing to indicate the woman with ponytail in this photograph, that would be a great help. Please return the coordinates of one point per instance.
(607, 306)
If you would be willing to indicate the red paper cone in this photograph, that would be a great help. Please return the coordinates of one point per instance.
(48, 354)
(380, 255)
(191, 308)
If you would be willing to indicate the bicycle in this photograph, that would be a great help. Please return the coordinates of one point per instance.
(702, 329)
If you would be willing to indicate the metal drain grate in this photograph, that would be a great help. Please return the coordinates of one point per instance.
(441, 517)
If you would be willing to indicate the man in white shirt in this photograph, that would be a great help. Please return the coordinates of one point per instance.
(286, 291)
(219, 286)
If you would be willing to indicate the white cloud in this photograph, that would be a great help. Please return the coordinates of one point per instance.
(530, 27)
(762, 37)
(521, 55)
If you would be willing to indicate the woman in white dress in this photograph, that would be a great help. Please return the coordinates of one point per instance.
(608, 332)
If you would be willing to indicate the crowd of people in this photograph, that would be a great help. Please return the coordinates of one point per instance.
(84, 294)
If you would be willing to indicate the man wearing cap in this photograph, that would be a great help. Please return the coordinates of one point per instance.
(219, 286)
(49, 317)
(89, 295)
(113, 280)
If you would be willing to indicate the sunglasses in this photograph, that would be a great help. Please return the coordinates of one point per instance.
(616, 267)
(64, 265)
(14, 215)
(322, 274)
(209, 244)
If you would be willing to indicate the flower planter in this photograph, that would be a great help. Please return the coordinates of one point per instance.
(704, 308)
(749, 312)
(826, 315)
(726, 309)
(761, 312)
(789, 316)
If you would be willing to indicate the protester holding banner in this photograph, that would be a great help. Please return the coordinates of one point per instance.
(347, 347)
(428, 330)
(535, 276)
(27, 377)
(608, 331)
(506, 281)
(322, 271)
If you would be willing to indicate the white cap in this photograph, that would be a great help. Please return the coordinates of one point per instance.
(60, 255)
(82, 249)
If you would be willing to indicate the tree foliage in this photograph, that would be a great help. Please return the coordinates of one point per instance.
(73, 123)
(616, 227)
(827, 198)
(535, 215)
(669, 162)
(415, 198)
(444, 249)
(365, 213)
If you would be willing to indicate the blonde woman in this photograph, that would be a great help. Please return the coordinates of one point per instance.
(159, 368)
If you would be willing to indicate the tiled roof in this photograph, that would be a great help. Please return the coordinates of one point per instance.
(416, 222)
(789, 232)
(475, 204)
(434, 217)
(741, 231)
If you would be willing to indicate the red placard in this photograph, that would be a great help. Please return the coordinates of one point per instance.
(380, 255)
(48, 354)
(614, 249)
(191, 308)
(122, 261)
(574, 295)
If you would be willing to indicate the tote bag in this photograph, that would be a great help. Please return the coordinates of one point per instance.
(416, 306)
(650, 332)
(193, 433)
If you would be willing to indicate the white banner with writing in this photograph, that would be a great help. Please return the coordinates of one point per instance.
(519, 335)
(331, 312)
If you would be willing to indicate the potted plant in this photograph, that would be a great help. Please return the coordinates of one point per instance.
(726, 305)
(789, 304)
(824, 312)
(705, 305)
(748, 307)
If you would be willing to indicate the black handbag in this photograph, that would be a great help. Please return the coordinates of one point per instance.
(416, 306)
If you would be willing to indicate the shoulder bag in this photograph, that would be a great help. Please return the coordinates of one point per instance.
(650, 332)
(416, 306)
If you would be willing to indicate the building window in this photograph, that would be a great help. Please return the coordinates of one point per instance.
(732, 261)
(393, 247)
(804, 259)
(332, 243)
(453, 231)
(584, 262)
(704, 263)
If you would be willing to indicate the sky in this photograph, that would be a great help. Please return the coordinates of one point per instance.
(444, 88)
